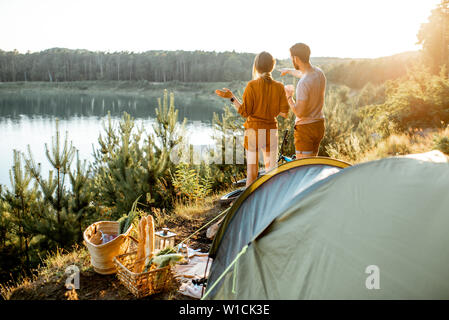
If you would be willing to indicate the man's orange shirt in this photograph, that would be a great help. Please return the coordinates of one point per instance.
(262, 102)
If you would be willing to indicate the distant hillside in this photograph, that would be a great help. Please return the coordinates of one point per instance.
(356, 73)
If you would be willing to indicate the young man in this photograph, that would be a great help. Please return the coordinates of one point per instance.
(308, 107)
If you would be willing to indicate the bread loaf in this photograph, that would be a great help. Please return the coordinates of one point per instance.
(149, 243)
(140, 260)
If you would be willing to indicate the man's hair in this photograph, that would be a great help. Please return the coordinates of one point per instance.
(302, 51)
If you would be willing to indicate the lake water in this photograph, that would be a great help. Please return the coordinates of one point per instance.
(29, 119)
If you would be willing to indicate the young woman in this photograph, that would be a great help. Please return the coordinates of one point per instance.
(263, 100)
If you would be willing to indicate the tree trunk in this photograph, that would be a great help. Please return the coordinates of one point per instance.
(58, 204)
(27, 255)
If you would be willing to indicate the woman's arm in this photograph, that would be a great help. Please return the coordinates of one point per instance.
(226, 93)
(237, 104)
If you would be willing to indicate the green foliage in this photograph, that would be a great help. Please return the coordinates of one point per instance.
(17, 206)
(420, 100)
(228, 130)
(43, 214)
(441, 142)
(287, 124)
(129, 219)
(59, 213)
(434, 37)
(167, 127)
(81, 195)
(357, 73)
(349, 132)
(5, 224)
(126, 167)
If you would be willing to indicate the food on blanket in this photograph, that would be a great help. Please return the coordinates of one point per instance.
(166, 251)
(167, 259)
(161, 261)
(225, 93)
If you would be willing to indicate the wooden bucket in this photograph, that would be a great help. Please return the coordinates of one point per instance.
(102, 255)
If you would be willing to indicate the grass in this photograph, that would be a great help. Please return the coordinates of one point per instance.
(198, 209)
(417, 141)
(141, 88)
(52, 271)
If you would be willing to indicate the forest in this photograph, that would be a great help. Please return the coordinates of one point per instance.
(65, 65)
(374, 108)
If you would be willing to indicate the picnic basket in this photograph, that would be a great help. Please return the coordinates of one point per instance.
(102, 255)
(144, 283)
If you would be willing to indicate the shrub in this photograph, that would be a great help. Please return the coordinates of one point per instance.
(190, 184)
(420, 100)
(441, 141)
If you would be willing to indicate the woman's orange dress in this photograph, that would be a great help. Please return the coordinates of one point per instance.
(263, 100)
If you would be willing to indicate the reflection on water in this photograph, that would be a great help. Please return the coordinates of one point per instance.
(29, 120)
(65, 106)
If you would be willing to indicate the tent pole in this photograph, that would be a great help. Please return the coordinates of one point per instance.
(205, 272)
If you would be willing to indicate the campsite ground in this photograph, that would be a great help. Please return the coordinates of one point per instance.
(48, 283)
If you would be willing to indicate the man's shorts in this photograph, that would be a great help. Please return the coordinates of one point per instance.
(308, 136)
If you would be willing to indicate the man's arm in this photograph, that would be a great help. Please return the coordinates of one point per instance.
(298, 107)
(292, 72)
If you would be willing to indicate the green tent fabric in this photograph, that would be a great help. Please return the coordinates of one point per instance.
(391, 215)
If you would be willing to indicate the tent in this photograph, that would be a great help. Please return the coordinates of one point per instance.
(318, 228)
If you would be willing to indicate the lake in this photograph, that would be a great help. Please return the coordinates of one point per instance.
(28, 118)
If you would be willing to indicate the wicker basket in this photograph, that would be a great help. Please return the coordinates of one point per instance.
(145, 283)
(102, 255)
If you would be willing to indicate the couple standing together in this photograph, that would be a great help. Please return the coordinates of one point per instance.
(264, 99)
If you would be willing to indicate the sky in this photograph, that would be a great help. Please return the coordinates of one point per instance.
(332, 28)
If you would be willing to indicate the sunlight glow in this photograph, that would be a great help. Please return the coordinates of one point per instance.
(344, 28)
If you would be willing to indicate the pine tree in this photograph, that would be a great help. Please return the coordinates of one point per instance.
(228, 126)
(52, 216)
(192, 184)
(81, 194)
(169, 133)
(18, 204)
(4, 222)
(125, 167)
(167, 129)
